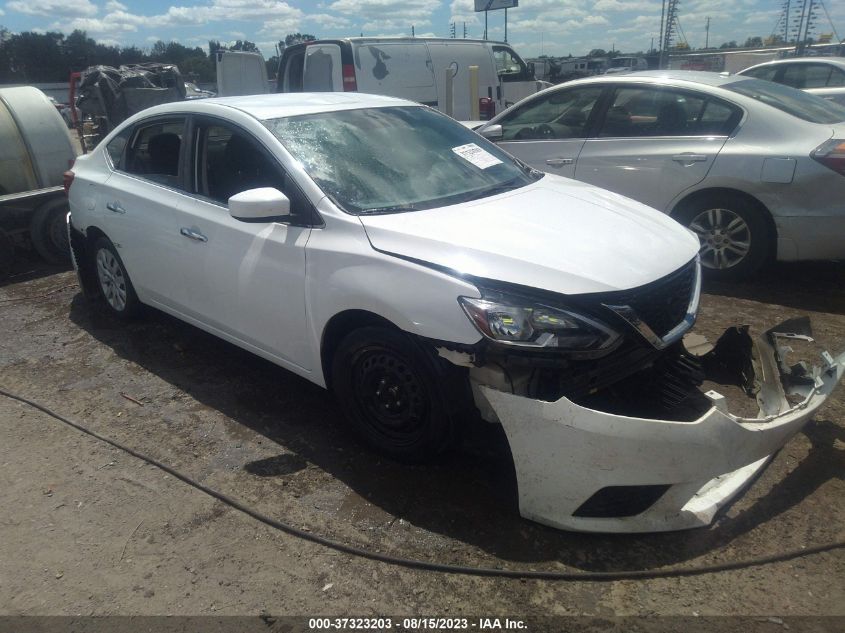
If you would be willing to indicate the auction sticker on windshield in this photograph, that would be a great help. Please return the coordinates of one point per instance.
(474, 154)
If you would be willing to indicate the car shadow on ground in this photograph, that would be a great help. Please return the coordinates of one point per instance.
(29, 267)
(470, 496)
(805, 286)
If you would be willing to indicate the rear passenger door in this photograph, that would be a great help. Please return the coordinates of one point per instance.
(654, 142)
(139, 202)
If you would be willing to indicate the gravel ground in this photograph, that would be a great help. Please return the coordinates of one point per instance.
(91, 530)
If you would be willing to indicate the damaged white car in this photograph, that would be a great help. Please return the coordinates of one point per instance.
(382, 250)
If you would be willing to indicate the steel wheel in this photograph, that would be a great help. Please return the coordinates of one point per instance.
(392, 391)
(725, 238)
(112, 280)
(391, 395)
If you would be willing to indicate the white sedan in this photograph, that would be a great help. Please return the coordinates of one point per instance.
(380, 249)
(756, 169)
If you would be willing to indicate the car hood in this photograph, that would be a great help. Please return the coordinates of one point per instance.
(556, 234)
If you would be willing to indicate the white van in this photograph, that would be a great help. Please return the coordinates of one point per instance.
(241, 73)
(626, 65)
(412, 68)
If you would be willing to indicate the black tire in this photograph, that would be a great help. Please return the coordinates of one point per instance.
(389, 388)
(7, 254)
(736, 240)
(113, 281)
(48, 231)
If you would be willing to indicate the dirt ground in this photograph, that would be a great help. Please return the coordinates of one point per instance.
(87, 529)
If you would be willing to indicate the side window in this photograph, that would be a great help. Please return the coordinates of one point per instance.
(229, 162)
(837, 78)
(817, 76)
(116, 146)
(154, 152)
(560, 115)
(767, 73)
(718, 119)
(795, 75)
(652, 112)
(509, 67)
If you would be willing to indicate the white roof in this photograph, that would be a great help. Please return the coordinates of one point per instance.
(273, 106)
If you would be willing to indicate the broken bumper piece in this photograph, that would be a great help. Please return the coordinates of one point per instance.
(585, 470)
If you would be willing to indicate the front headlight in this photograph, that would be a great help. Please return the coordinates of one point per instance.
(519, 321)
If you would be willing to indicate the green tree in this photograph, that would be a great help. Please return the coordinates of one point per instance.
(754, 42)
(245, 45)
(297, 38)
(214, 46)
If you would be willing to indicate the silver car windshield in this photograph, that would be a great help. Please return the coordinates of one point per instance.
(795, 102)
(396, 159)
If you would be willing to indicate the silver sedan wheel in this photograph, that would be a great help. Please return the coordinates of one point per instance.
(112, 281)
(725, 238)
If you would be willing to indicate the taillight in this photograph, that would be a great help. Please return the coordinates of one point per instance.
(67, 181)
(831, 154)
(349, 83)
(486, 108)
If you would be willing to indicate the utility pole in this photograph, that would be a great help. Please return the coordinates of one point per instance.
(412, 31)
(799, 44)
(660, 41)
(465, 30)
(485, 25)
(707, 34)
(506, 24)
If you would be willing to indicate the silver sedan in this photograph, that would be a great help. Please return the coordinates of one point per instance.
(820, 76)
(755, 168)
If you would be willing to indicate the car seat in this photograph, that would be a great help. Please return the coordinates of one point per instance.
(163, 150)
(671, 120)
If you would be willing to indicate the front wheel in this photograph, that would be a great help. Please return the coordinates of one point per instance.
(113, 281)
(735, 237)
(389, 389)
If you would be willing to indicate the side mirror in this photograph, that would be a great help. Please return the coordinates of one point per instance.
(492, 132)
(265, 204)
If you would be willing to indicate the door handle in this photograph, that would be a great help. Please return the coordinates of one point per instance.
(689, 157)
(115, 207)
(559, 162)
(194, 235)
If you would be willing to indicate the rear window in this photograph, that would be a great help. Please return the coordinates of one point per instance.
(799, 104)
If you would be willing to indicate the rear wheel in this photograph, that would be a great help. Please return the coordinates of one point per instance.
(48, 231)
(389, 388)
(735, 237)
(115, 287)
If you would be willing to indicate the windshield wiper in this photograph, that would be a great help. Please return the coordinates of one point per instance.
(398, 208)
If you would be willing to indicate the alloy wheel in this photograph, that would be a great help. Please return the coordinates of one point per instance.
(112, 280)
(725, 238)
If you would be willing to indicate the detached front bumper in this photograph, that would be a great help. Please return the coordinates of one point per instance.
(585, 470)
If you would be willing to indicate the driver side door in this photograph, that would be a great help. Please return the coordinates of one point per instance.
(549, 131)
(244, 280)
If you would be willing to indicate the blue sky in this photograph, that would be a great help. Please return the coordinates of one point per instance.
(553, 27)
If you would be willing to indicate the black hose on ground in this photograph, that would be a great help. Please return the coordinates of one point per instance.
(595, 576)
